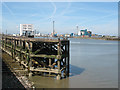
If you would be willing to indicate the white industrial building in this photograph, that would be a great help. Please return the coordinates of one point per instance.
(79, 32)
(26, 30)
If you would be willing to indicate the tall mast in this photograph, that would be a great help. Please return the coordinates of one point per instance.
(77, 29)
(53, 28)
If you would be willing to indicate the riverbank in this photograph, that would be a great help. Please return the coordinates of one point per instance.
(102, 38)
(13, 76)
(9, 80)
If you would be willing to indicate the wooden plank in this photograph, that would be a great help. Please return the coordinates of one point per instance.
(34, 39)
(46, 56)
(44, 70)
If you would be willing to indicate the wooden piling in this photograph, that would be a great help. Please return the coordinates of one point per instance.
(48, 56)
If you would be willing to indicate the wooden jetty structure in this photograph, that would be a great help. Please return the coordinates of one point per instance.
(39, 55)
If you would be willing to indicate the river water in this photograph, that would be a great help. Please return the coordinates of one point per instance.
(93, 64)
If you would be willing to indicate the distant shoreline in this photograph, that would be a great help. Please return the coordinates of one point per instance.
(103, 38)
(97, 38)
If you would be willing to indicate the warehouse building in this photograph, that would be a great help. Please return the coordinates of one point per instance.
(26, 30)
(84, 33)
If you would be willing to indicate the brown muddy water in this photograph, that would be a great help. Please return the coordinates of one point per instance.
(93, 64)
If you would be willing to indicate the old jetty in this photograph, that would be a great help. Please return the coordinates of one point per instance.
(39, 55)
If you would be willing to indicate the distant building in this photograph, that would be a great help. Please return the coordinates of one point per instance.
(72, 34)
(84, 33)
(55, 35)
(97, 36)
(67, 35)
(100, 36)
(14, 35)
(26, 30)
(89, 33)
(79, 33)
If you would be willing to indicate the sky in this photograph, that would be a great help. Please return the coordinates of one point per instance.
(98, 17)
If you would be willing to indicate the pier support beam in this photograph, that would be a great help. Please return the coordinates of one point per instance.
(46, 56)
(49, 65)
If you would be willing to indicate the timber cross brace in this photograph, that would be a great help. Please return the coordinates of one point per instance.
(49, 57)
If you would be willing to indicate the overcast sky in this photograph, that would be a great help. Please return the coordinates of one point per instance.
(99, 17)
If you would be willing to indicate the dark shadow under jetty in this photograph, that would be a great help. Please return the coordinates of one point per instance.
(74, 70)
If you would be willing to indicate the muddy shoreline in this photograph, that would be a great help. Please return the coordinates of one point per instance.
(11, 78)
